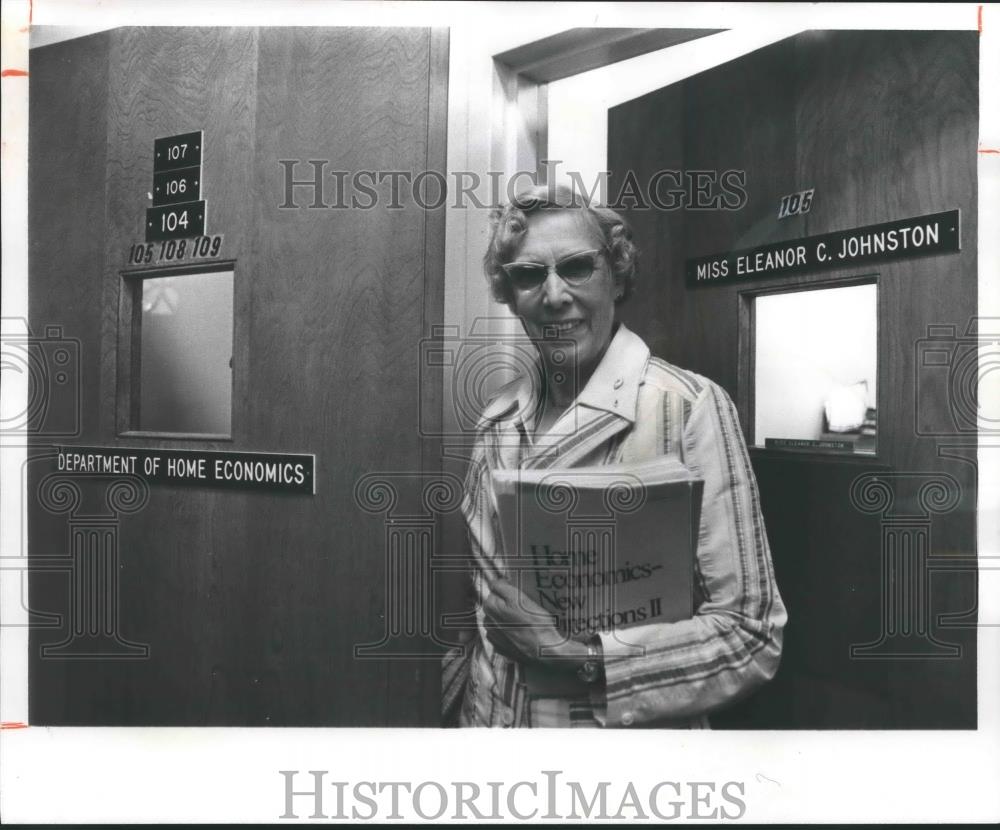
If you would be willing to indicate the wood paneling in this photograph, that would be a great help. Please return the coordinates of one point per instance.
(66, 180)
(907, 104)
(337, 318)
(645, 136)
(252, 604)
(66, 167)
(883, 125)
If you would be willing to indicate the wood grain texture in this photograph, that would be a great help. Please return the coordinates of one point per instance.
(169, 81)
(252, 604)
(910, 102)
(883, 126)
(424, 683)
(66, 179)
(644, 136)
(730, 123)
(66, 162)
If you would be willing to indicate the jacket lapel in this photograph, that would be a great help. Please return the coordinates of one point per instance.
(605, 407)
(575, 435)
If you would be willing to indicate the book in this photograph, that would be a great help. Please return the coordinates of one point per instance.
(600, 549)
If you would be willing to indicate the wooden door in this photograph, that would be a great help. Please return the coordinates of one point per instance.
(883, 126)
(238, 608)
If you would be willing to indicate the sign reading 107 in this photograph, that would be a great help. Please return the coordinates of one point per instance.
(176, 151)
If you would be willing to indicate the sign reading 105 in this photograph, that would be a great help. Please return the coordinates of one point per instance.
(795, 203)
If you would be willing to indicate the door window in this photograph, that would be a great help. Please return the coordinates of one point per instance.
(182, 354)
(815, 369)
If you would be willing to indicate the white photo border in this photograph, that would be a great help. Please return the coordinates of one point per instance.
(111, 775)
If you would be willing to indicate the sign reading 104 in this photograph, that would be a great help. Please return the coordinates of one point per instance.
(180, 221)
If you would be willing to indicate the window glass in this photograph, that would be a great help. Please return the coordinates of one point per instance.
(186, 347)
(815, 369)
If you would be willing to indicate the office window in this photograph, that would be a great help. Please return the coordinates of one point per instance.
(815, 372)
(184, 354)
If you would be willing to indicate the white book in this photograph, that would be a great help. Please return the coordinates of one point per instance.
(600, 549)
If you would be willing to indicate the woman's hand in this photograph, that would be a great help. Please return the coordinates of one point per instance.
(519, 628)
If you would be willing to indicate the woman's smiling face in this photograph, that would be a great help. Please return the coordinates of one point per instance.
(555, 310)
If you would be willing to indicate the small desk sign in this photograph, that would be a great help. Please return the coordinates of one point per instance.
(807, 444)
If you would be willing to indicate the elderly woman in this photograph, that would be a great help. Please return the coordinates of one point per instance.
(563, 268)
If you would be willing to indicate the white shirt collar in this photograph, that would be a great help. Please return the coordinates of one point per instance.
(613, 387)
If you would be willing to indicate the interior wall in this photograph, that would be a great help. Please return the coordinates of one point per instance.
(578, 105)
(250, 605)
(883, 125)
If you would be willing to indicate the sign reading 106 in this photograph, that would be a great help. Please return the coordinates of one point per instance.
(173, 186)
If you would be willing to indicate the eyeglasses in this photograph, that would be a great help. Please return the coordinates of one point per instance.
(574, 270)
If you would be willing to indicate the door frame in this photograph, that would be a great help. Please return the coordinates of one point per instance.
(746, 350)
(499, 119)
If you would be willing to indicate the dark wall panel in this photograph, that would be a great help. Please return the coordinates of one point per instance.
(336, 323)
(730, 125)
(650, 137)
(66, 166)
(67, 155)
(905, 105)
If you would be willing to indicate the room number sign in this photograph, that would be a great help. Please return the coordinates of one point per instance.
(795, 203)
(175, 251)
(178, 210)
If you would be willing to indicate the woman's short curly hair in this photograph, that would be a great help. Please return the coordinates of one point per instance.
(509, 224)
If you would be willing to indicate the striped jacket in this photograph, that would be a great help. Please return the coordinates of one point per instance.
(634, 407)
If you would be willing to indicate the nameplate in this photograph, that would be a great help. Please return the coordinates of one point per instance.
(258, 471)
(807, 444)
(935, 233)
